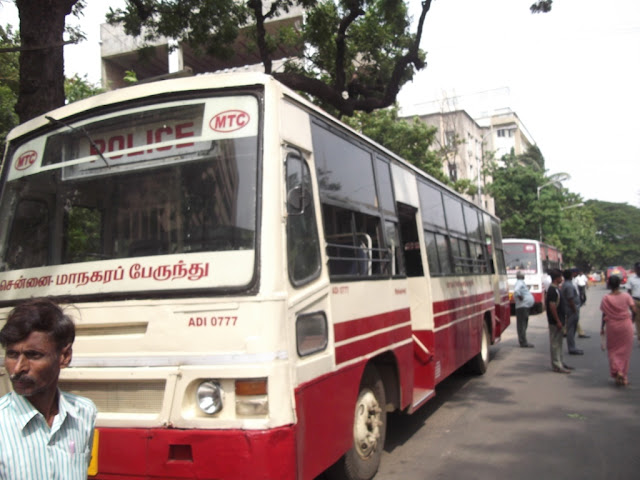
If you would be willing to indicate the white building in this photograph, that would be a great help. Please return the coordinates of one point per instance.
(120, 53)
(507, 132)
(464, 144)
(468, 144)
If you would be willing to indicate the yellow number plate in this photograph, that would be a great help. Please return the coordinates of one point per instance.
(93, 464)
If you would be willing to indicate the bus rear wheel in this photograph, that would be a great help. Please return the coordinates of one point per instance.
(361, 462)
(480, 362)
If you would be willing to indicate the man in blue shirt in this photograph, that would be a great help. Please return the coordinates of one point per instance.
(44, 433)
(523, 303)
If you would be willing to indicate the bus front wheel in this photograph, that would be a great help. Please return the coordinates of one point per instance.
(369, 429)
(480, 362)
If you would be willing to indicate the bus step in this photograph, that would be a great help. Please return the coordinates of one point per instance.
(420, 396)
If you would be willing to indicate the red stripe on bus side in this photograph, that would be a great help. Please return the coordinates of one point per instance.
(363, 326)
(449, 317)
(368, 345)
(453, 303)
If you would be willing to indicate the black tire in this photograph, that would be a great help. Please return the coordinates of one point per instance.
(480, 362)
(361, 462)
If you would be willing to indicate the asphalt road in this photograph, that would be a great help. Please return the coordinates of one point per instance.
(523, 421)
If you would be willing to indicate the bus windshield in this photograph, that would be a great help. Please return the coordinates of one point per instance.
(521, 257)
(175, 179)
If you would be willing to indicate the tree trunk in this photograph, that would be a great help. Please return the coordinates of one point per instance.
(42, 25)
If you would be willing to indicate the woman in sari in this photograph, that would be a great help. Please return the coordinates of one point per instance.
(616, 316)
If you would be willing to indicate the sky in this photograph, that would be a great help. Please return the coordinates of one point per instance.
(572, 76)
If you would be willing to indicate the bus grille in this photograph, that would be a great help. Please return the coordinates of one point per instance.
(120, 397)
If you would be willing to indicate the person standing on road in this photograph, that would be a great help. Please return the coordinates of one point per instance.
(616, 310)
(582, 282)
(555, 318)
(633, 286)
(571, 299)
(523, 302)
(44, 433)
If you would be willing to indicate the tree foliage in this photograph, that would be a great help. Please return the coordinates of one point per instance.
(356, 54)
(9, 83)
(514, 190)
(541, 6)
(618, 230)
(532, 204)
(77, 87)
(350, 54)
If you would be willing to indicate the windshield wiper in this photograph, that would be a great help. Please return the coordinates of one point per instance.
(82, 131)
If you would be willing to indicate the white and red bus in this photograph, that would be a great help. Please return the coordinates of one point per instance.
(534, 259)
(254, 284)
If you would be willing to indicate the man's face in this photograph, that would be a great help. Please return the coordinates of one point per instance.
(34, 364)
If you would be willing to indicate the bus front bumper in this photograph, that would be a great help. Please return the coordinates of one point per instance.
(135, 454)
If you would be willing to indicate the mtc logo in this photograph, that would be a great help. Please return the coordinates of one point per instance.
(25, 160)
(229, 121)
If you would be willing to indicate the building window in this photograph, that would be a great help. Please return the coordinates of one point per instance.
(453, 172)
(450, 138)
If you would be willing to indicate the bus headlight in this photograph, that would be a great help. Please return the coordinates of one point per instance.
(210, 397)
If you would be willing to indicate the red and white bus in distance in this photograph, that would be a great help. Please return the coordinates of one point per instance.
(254, 284)
(534, 259)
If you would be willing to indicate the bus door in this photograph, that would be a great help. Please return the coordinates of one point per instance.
(420, 306)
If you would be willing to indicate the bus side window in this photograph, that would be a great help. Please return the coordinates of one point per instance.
(354, 243)
(303, 246)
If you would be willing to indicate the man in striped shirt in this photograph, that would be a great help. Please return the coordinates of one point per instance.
(44, 433)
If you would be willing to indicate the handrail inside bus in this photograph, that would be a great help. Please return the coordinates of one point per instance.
(362, 252)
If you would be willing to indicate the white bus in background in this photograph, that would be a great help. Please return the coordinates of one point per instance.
(534, 259)
(254, 284)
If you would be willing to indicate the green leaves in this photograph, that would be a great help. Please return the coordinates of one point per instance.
(9, 82)
(77, 87)
(347, 55)
(530, 204)
(533, 204)
(618, 232)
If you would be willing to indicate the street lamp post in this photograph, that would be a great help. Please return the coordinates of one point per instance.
(575, 205)
(556, 180)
